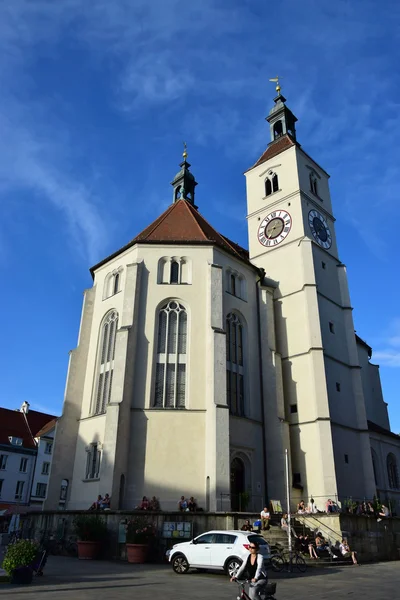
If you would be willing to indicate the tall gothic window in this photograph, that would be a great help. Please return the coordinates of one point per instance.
(106, 366)
(375, 466)
(170, 385)
(313, 184)
(393, 474)
(234, 365)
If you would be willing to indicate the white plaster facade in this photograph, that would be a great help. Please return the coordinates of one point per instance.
(298, 346)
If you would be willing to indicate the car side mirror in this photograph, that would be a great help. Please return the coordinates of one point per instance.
(194, 541)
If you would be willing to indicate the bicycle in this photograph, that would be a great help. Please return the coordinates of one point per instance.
(281, 560)
(267, 593)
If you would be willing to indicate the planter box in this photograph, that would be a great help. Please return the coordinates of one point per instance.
(88, 550)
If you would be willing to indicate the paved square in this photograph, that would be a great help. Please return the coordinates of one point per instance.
(69, 578)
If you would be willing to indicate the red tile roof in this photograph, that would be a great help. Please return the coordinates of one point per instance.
(12, 423)
(275, 148)
(181, 223)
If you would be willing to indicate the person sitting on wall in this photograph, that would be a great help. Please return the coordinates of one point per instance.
(265, 518)
(106, 502)
(154, 504)
(97, 503)
(183, 504)
(347, 553)
(301, 508)
(192, 504)
(144, 505)
(384, 512)
(246, 526)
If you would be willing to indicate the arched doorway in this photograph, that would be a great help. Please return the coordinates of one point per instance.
(237, 483)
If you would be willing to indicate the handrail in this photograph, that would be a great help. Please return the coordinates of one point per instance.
(322, 523)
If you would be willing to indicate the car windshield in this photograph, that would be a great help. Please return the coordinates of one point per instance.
(257, 538)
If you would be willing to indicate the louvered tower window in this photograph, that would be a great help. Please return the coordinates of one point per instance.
(170, 386)
(106, 367)
(234, 365)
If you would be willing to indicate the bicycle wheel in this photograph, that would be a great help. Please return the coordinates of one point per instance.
(277, 563)
(300, 563)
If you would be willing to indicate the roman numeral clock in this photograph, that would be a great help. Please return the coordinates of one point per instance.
(274, 228)
(319, 229)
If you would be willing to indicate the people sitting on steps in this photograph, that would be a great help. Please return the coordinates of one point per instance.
(347, 552)
(265, 518)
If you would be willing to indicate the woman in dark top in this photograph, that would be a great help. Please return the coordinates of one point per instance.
(254, 570)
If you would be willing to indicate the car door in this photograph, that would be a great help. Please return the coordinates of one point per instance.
(200, 551)
(222, 549)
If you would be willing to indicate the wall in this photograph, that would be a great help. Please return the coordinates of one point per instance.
(372, 540)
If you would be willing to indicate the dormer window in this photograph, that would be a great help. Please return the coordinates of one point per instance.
(15, 441)
(313, 184)
(271, 183)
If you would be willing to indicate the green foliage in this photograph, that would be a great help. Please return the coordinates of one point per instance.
(90, 528)
(20, 554)
(139, 531)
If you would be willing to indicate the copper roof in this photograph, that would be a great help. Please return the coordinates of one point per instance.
(275, 148)
(181, 223)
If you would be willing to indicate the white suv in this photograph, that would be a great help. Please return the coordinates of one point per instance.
(219, 550)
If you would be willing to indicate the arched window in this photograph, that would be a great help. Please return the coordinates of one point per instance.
(393, 474)
(375, 466)
(170, 385)
(234, 365)
(313, 184)
(116, 283)
(106, 367)
(278, 130)
(275, 184)
(232, 284)
(174, 272)
(271, 184)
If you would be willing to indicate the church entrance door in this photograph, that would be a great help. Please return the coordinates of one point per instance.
(237, 483)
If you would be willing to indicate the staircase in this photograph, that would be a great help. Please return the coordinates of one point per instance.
(277, 538)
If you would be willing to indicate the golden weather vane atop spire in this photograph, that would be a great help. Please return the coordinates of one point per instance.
(185, 154)
(276, 80)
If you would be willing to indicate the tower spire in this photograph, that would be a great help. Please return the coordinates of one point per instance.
(281, 119)
(184, 182)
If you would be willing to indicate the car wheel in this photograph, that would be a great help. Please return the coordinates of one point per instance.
(232, 566)
(180, 564)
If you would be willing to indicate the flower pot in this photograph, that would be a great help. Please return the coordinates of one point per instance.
(22, 575)
(88, 550)
(136, 553)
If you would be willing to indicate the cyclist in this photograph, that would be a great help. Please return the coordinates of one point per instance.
(253, 569)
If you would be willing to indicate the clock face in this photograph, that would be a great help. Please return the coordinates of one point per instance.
(274, 228)
(319, 229)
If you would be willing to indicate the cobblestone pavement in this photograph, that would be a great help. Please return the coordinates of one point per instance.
(69, 578)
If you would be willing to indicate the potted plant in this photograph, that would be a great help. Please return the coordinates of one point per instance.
(18, 560)
(139, 534)
(91, 531)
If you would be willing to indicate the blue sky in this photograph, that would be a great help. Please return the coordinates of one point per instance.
(96, 98)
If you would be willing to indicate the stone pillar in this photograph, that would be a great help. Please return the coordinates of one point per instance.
(62, 465)
(217, 415)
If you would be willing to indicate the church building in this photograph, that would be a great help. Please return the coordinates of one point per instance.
(200, 362)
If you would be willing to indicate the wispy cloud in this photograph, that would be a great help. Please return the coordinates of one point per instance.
(388, 354)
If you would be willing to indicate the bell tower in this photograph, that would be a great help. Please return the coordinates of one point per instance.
(291, 231)
(184, 182)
